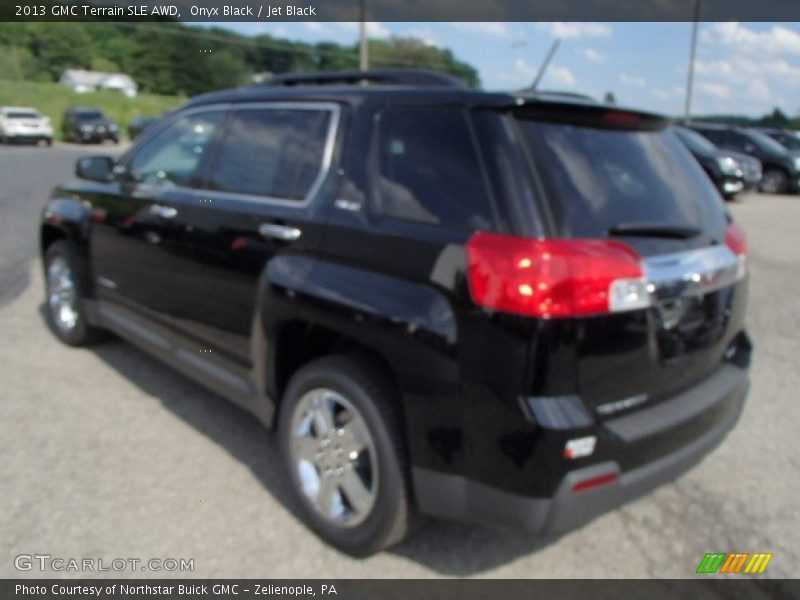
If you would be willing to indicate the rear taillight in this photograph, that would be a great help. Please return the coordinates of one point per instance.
(554, 278)
(736, 240)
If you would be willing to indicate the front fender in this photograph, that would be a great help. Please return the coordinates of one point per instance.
(69, 216)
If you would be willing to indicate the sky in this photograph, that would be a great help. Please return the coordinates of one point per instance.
(741, 68)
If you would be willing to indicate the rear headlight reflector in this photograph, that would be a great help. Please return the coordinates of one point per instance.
(736, 240)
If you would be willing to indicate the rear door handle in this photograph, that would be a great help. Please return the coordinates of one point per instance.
(285, 233)
(165, 212)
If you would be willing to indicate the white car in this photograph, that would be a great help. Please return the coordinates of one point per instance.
(24, 124)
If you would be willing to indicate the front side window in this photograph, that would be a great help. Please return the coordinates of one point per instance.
(428, 169)
(175, 155)
(272, 152)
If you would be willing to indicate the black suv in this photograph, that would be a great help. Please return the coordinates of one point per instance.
(88, 125)
(781, 168)
(724, 170)
(517, 309)
(787, 138)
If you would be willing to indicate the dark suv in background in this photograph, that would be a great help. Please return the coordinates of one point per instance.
(781, 167)
(88, 125)
(519, 309)
(725, 171)
(789, 139)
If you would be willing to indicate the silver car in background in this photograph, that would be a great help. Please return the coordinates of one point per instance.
(24, 124)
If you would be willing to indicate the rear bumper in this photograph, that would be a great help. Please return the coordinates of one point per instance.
(454, 496)
(29, 136)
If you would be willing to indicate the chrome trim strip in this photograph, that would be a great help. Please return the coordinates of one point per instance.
(692, 273)
(279, 232)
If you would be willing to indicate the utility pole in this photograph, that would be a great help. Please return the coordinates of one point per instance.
(687, 110)
(363, 49)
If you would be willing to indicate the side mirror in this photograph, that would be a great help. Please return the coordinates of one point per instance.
(95, 168)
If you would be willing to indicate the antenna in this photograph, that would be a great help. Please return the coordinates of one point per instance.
(546, 62)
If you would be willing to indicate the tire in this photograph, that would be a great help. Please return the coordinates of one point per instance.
(356, 390)
(774, 181)
(64, 296)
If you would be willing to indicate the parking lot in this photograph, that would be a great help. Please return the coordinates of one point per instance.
(107, 454)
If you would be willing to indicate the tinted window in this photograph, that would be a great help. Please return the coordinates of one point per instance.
(22, 115)
(89, 115)
(695, 141)
(174, 156)
(271, 152)
(715, 135)
(766, 143)
(788, 141)
(428, 169)
(599, 178)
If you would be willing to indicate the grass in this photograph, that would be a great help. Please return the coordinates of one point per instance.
(52, 99)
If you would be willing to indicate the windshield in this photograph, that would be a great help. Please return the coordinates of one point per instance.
(598, 178)
(788, 140)
(765, 142)
(89, 115)
(23, 114)
(695, 141)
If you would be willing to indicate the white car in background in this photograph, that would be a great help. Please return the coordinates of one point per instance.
(24, 124)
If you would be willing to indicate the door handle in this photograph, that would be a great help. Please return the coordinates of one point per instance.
(165, 212)
(285, 233)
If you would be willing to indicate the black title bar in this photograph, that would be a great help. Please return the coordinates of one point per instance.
(400, 10)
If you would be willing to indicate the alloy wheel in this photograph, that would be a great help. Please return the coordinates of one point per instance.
(334, 457)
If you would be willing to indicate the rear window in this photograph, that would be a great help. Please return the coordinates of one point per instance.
(598, 178)
(19, 114)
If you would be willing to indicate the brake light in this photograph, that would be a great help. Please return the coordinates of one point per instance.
(623, 118)
(554, 278)
(736, 240)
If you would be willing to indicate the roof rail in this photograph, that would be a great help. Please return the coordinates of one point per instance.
(411, 77)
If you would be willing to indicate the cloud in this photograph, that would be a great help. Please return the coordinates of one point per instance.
(484, 28)
(717, 90)
(524, 73)
(626, 79)
(777, 40)
(594, 56)
(576, 31)
(560, 76)
(375, 29)
(761, 66)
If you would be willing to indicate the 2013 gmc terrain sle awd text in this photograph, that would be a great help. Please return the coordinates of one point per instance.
(519, 309)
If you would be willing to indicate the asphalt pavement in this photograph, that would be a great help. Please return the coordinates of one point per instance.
(105, 453)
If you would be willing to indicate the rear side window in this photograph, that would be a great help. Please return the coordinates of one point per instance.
(273, 152)
(598, 178)
(427, 169)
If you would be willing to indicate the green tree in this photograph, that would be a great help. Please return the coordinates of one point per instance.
(60, 46)
(411, 52)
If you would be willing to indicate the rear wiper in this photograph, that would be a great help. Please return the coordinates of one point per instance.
(681, 232)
